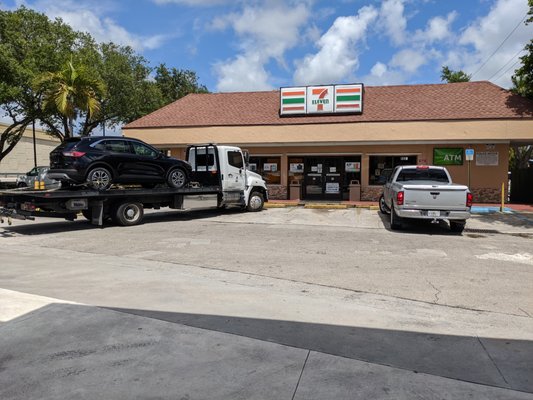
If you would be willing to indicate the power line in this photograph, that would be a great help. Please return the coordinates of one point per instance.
(505, 65)
(500, 46)
(507, 70)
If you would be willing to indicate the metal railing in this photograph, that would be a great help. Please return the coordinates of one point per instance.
(10, 176)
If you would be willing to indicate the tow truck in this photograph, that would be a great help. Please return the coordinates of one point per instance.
(220, 179)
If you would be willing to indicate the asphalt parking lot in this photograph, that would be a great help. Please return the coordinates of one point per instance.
(286, 303)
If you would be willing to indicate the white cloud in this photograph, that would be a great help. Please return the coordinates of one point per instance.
(90, 17)
(201, 3)
(408, 60)
(338, 55)
(481, 38)
(393, 21)
(265, 32)
(379, 69)
(438, 29)
(245, 73)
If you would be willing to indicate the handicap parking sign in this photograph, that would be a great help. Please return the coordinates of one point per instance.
(469, 153)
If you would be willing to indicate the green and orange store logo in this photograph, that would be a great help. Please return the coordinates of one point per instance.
(322, 99)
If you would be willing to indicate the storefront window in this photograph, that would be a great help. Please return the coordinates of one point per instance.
(268, 167)
(380, 167)
(296, 169)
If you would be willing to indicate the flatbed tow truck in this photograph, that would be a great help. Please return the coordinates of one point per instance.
(220, 179)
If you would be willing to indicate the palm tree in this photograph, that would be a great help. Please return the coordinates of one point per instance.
(71, 92)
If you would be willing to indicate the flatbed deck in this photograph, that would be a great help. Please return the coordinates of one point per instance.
(95, 205)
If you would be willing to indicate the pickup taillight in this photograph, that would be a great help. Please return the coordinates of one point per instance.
(399, 198)
(469, 199)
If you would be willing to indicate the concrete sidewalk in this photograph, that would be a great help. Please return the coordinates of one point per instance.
(50, 349)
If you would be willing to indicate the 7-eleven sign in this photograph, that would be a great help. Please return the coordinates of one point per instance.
(320, 99)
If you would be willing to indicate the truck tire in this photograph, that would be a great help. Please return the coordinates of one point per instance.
(177, 178)
(382, 206)
(129, 214)
(255, 202)
(395, 223)
(99, 178)
(457, 226)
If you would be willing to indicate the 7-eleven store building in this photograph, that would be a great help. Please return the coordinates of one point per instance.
(322, 142)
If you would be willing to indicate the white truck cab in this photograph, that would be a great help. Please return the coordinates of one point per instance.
(225, 166)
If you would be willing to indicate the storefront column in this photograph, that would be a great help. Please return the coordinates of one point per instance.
(284, 170)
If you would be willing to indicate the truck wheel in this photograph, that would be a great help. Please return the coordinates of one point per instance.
(395, 223)
(457, 226)
(177, 178)
(128, 214)
(99, 178)
(382, 206)
(256, 202)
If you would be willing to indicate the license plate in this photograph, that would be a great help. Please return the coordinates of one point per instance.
(433, 213)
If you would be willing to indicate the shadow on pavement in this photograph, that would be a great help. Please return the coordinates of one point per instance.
(74, 351)
(515, 220)
(50, 227)
(495, 362)
(418, 226)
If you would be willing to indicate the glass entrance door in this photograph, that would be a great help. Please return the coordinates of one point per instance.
(332, 178)
(323, 178)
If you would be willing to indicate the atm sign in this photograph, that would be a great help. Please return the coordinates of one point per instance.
(449, 156)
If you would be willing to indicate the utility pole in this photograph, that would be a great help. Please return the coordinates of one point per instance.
(34, 146)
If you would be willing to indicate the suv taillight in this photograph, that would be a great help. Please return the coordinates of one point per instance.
(399, 198)
(469, 199)
(75, 154)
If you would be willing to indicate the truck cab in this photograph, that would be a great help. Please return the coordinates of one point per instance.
(226, 166)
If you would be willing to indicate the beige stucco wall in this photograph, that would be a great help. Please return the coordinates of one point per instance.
(436, 131)
(20, 160)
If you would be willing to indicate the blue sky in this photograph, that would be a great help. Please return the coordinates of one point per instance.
(261, 45)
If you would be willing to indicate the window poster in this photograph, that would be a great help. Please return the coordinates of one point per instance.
(271, 167)
(252, 167)
(332, 187)
(352, 166)
(296, 167)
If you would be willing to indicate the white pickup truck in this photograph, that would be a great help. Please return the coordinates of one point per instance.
(425, 192)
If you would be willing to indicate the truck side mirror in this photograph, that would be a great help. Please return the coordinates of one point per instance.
(246, 155)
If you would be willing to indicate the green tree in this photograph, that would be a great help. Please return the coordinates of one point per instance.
(523, 85)
(69, 92)
(449, 76)
(30, 44)
(176, 83)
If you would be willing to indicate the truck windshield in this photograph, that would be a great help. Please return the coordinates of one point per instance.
(433, 175)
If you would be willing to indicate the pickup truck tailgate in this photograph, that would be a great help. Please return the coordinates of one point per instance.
(435, 197)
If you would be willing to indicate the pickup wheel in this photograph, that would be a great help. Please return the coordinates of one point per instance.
(255, 202)
(128, 214)
(457, 226)
(395, 223)
(382, 206)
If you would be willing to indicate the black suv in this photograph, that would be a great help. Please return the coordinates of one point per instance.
(101, 161)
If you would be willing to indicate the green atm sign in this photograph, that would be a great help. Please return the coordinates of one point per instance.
(451, 156)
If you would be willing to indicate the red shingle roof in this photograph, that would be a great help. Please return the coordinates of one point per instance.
(452, 101)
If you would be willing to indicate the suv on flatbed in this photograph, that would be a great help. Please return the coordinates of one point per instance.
(102, 161)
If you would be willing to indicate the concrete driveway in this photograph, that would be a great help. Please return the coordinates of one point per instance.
(286, 303)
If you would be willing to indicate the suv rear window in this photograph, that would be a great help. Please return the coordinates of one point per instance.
(68, 144)
(418, 174)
